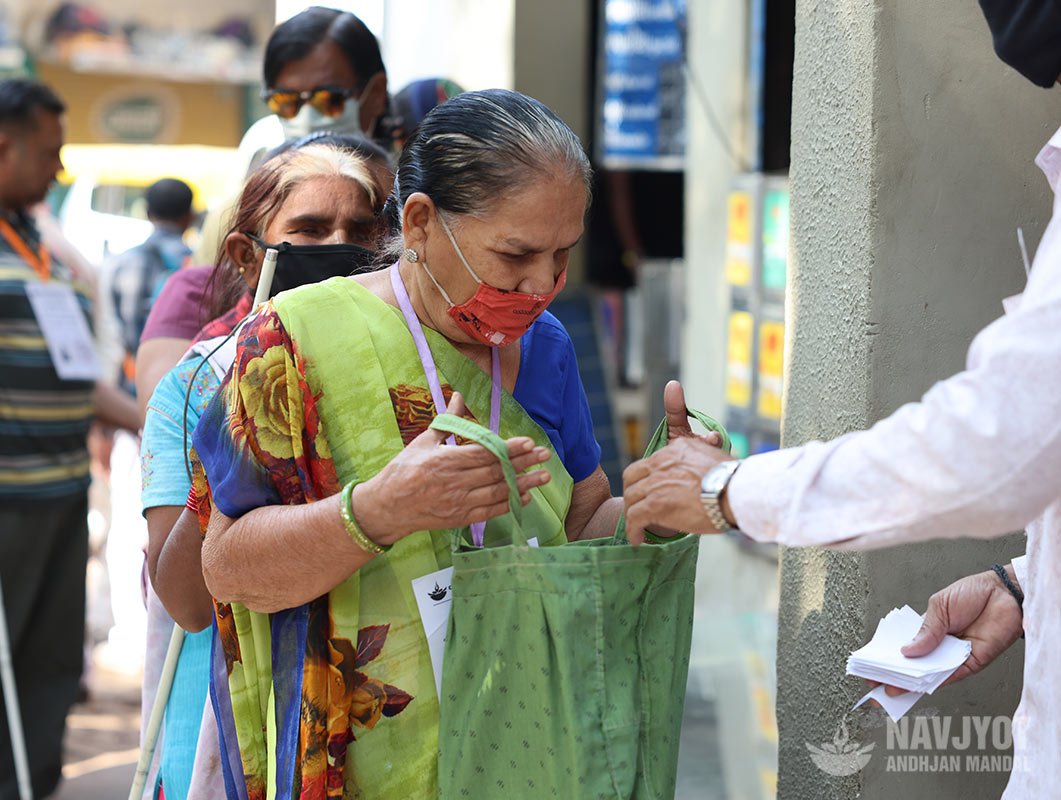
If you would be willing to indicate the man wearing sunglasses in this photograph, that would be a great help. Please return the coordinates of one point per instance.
(324, 72)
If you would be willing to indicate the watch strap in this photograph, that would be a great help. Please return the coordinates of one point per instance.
(713, 487)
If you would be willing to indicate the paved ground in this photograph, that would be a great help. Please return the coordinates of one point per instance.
(101, 740)
(699, 759)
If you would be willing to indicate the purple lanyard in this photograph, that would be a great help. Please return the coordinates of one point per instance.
(428, 363)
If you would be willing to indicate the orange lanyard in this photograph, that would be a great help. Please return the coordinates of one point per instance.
(41, 262)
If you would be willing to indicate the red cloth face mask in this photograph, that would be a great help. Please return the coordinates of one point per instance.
(494, 316)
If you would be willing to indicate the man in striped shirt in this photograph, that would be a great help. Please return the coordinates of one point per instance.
(44, 465)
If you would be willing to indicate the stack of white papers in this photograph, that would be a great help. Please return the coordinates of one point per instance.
(881, 660)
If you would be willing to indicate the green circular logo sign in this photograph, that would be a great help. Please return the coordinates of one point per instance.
(136, 120)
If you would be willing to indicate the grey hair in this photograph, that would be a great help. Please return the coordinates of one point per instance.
(478, 148)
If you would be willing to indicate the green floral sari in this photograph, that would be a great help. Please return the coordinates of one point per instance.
(336, 699)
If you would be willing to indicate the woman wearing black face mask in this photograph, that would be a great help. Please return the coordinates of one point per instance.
(195, 295)
(317, 206)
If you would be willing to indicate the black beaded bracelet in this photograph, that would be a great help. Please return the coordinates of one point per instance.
(1003, 576)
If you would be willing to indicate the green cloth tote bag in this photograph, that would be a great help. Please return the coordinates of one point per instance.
(565, 667)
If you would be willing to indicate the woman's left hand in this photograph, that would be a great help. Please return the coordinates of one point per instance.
(430, 486)
(678, 426)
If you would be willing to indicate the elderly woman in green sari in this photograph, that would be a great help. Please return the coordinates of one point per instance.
(330, 495)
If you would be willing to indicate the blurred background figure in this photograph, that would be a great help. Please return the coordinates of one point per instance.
(412, 103)
(48, 396)
(136, 276)
(322, 71)
(129, 284)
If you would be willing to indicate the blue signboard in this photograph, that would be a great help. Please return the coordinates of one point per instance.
(643, 84)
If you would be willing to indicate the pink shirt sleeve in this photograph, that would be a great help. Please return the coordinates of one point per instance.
(978, 456)
(180, 310)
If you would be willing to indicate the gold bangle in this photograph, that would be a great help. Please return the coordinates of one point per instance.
(352, 528)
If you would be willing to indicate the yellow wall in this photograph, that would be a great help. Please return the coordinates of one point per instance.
(192, 113)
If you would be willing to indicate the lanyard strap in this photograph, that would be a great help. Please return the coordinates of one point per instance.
(41, 261)
(428, 362)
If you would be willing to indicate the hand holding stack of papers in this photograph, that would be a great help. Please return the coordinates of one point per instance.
(881, 660)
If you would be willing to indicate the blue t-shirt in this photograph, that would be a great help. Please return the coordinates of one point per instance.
(163, 470)
(165, 482)
(550, 390)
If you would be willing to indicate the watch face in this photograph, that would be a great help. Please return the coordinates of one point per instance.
(712, 482)
(715, 480)
(711, 487)
(705, 483)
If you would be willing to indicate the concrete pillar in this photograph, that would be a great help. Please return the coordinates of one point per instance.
(912, 167)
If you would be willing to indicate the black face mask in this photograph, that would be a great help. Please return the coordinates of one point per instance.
(302, 264)
(1027, 35)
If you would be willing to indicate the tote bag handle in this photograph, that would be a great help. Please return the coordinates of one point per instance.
(466, 429)
(658, 442)
(472, 431)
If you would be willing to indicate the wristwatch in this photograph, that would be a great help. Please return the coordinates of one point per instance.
(712, 488)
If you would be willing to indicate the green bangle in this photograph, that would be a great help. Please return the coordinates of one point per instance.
(352, 528)
(655, 538)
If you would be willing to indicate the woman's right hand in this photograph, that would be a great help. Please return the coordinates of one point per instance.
(431, 486)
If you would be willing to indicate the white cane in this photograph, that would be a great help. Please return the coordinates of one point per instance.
(14, 715)
(265, 280)
(154, 723)
(165, 683)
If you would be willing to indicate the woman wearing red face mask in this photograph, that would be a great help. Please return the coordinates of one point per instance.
(327, 485)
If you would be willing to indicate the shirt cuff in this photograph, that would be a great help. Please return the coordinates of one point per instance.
(1020, 568)
(758, 494)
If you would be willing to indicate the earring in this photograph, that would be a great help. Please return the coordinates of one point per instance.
(411, 255)
(242, 270)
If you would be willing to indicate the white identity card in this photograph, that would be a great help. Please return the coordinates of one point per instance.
(65, 331)
(434, 595)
